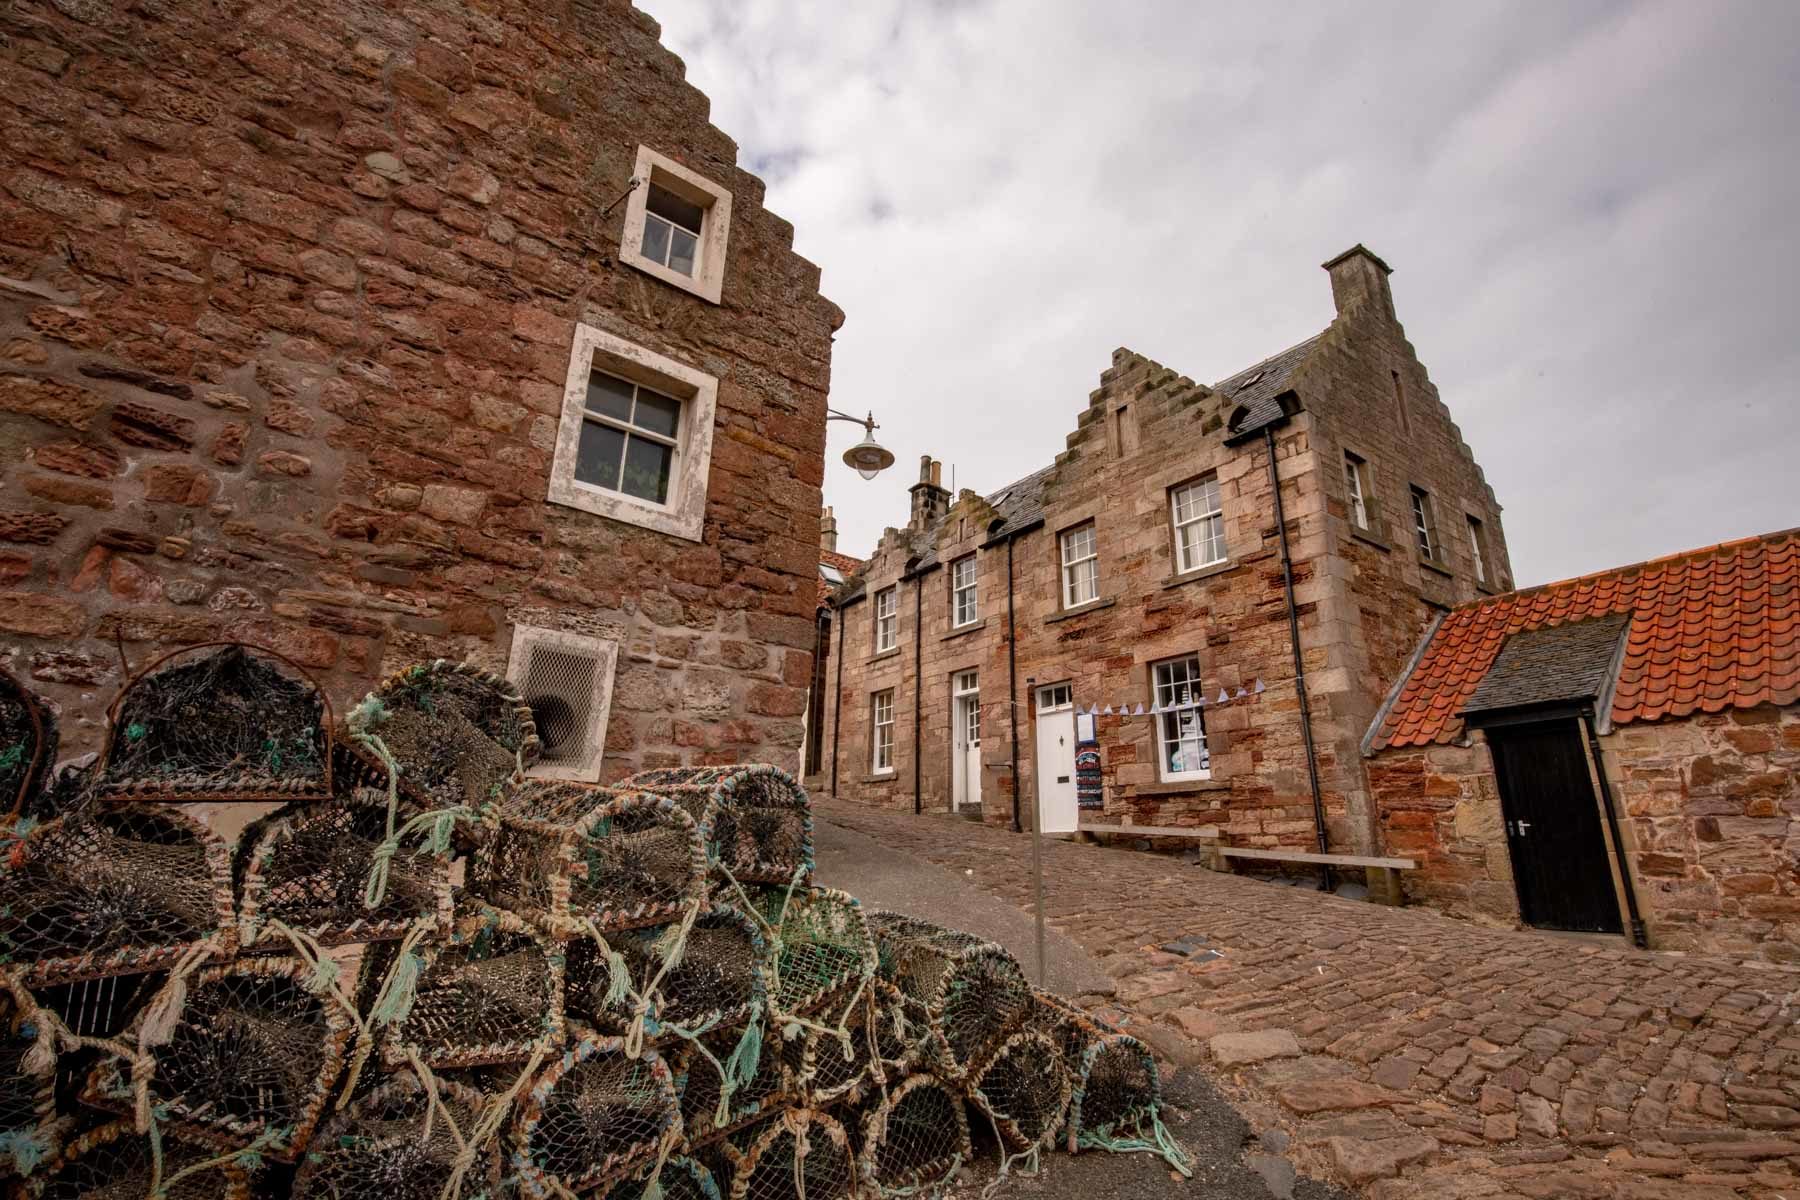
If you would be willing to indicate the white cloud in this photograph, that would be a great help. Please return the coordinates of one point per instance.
(1588, 208)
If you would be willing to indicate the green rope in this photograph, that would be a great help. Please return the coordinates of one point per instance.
(741, 1067)
(1161, 1143)
(26, 1147)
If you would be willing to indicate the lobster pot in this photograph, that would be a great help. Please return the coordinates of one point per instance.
(826, 949)
(572, 855)
(252, 1058)
(592, 1118)
(717, 978)
(902, 1041)
(112, 891)
(114, 1160)
(222, 721)
(756, 819)
(682, 1178)
(1024, 1090)
(492, 993)
(387, 1146)
(1115, 1091)
(459, 734)
(699, 1086)
(28, 741)
(915, 1137)
(822, 1071)
(968, 993)
(29, 1130)
(91, 1008)
(800, 1154)
(308, 866)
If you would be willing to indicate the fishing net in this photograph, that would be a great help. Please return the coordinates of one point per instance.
(402, 1142)
(756, 820)
(218, 721)
(710, 1110)
(800, 1154)
(915, 1138)
(686, 980)
(681, 1178)
(1115, 1100)
(824, 948)
(458, 735)
(28, 741)
(902, 1044)
(249, 1062)
(311, 866)
(115, 1162)
(113, 890)
(592, 1118)
(575, 856)
(1024, 1090)
(967, 993)
(492, 993)
(828, 1066)
(91, 1011)
(29, 1129)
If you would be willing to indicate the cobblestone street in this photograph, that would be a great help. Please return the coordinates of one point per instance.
(1413, 1055)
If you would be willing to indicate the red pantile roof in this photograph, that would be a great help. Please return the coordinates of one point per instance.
(1710, 629)
(843, 562)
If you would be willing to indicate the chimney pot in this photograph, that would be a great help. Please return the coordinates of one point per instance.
(937, 473)
(828, 530)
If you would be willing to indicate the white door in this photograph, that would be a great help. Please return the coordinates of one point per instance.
(1056, 758)
(966, 753)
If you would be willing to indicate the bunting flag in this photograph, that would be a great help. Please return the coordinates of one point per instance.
(1107, 711)
(1241, 693)
(1258, 689)
(1223, 698)
(1140, 709)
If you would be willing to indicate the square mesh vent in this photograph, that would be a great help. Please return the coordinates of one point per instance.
(566, 678)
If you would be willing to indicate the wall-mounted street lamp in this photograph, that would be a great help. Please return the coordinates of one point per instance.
(869, 457)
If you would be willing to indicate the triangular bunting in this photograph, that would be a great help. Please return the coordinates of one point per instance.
(1222, 696)
(1259, 689)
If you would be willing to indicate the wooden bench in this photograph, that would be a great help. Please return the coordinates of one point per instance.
(1381, 873)
(1187, 831)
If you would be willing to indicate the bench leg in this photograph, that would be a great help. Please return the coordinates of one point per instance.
(1384, 886)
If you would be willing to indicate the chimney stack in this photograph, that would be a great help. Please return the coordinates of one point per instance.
(1359, 282)
(930, 499)
(828, 530)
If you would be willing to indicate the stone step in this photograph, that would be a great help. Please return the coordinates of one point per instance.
(970, 812)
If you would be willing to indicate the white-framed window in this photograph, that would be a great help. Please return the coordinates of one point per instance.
(887, 619)
(677, 223)
(635, 441)
(881, 732)
(1080, 566)
(1055, 697)
(1199, 524)
(1424, 523)
(965, 599)
(567, 680)
(1357, 488)
(1478, 549)
(1180, 720)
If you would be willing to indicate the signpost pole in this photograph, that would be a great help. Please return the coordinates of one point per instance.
(1037, 853)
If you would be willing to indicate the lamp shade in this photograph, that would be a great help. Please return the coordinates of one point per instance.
(869, 457)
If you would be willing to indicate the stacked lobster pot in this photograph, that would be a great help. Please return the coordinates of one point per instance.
(424, 973)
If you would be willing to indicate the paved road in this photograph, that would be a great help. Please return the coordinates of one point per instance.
(1430, 1058)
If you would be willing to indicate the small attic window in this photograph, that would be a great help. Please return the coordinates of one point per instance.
(1001, 498)
(830, 574)
(1254, 376)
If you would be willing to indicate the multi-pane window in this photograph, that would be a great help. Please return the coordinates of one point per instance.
(672, 230)
(1424, 523)
(965, 601)
(1478, 549)
(1356, 486)
(881, 735)
(887, 619)
(1180, 721)
(629, 435)
(1199, 525)
(1080, 566)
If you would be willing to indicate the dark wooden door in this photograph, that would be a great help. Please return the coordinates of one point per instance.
(1559, 854)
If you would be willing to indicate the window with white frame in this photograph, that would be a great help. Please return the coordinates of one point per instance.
(1424, 523)
(887, 619)
(1358, 489)
(1180, 720)
(881, 732)
(676, 225)
(1478, 549)
(1199, 525)
(965, 601)
(1080, 566)
(635, 441)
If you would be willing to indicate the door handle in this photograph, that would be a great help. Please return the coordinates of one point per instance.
(1519, 827)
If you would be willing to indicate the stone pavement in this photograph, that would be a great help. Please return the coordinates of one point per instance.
(1428, 1057)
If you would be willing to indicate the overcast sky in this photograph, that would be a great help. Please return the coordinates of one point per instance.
(1590, 209)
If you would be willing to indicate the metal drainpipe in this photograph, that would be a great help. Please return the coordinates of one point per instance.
(837, 703)
(1638, 936)
(1293, 615)
(918, 685)
(1012, 681)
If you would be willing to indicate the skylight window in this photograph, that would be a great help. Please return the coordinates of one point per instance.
(830, 574)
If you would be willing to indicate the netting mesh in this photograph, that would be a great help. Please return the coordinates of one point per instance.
(308, 866)
(29, 1131)
(709, 1110)
(801, 1154)
(587, 856)
(826, 952)
(105, 891)
(231, 722)
(458, 734)
(681, 1178)
(94, 1009)
(593, 1117)
(401, 1143)
(115, 1162)
(713, 977)
(916, 1137)
(829, 1066)
(756, 820)
(251, 1058)
(28, 741)
(1024, 1090)
(968, 993)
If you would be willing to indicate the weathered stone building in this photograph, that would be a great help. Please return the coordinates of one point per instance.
(1612, 750)
(371, 334)
(1147, 569)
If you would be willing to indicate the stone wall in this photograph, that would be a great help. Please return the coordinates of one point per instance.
(286, 304)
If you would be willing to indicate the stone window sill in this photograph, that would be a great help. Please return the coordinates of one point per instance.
(884, 777)
(1091, 606)
(965, 630)
(877, 657)
(1207, 572)
(1182, 787)
(1371, 537)
(1431, 564)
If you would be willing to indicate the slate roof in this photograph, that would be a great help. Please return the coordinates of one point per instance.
(1555, 664)
(1256, 387)
(1708, 630)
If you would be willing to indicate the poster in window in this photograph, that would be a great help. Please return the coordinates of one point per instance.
(1090, 794)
